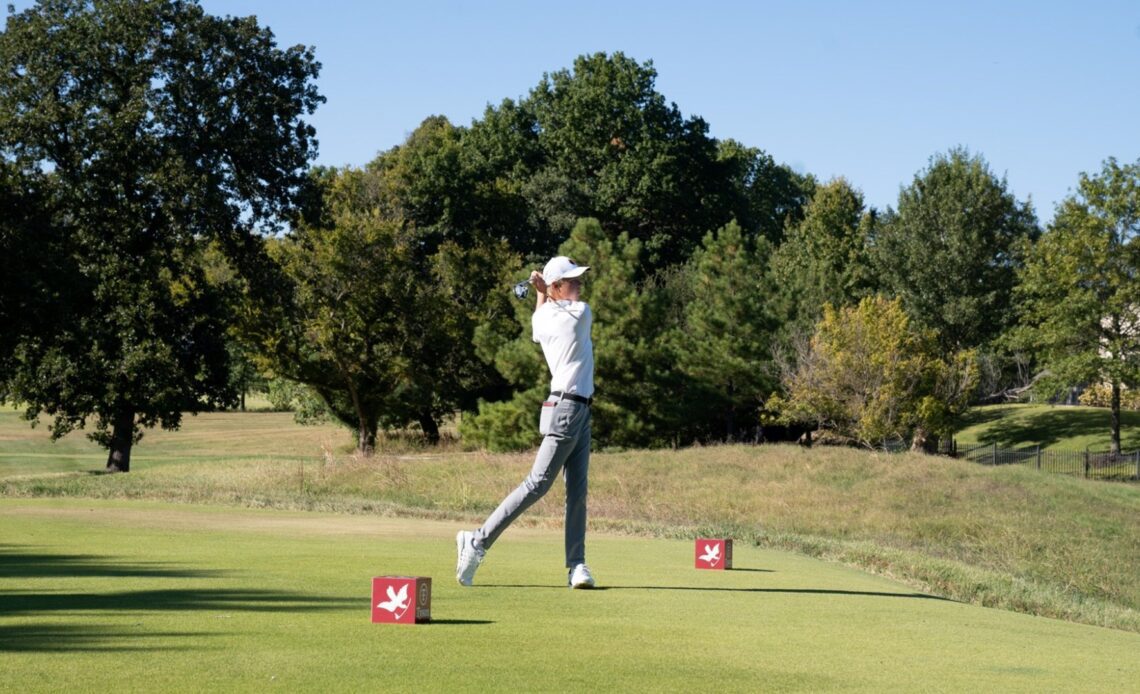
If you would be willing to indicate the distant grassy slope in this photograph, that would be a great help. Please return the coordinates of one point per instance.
(1050, 426)
(225, 435)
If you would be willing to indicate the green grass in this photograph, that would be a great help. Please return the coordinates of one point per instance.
(1052, 427)
(100, 595)
(1009, 537)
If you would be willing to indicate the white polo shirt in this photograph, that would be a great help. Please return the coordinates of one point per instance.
(563, 330)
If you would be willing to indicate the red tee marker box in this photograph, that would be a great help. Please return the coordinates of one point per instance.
(401, 600)
(714, 553)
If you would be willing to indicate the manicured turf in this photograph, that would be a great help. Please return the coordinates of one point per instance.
(118, 596)
(1008, 537)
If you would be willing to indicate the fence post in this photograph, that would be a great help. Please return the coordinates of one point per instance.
(995, 454)
(1039, 457)
(1138, 463)
(1086, 462)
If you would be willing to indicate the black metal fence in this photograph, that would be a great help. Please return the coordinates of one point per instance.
(1088, 463)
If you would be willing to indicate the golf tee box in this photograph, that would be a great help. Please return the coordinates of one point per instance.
(714, 553)
(401, 600)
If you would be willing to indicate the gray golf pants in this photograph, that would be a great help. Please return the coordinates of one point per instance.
(565, 448)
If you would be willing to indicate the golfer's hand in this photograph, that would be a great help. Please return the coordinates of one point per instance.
(537, 281)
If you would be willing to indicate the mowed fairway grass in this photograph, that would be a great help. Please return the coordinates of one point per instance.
(238, 554)
(107, 595)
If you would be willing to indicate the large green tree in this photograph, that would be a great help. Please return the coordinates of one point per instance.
(34, 267)
(432, 181)
(765, 198)
(152, 128)
(599, 141)
(639, 165)
(826, 257)
(594, 141)
(1080, 289)
(722, 344)
(376, 315)
(868, 376)
(951, 251)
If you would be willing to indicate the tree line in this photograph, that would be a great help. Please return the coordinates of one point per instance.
(165, 234)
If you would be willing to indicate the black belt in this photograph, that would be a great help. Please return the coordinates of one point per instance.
(571, 396)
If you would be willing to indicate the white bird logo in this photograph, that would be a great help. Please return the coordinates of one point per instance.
(711, 555)
(396, 601)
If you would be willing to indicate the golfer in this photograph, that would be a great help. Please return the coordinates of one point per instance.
(561, 324)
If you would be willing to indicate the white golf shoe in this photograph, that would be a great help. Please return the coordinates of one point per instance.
(580, 577)
(470, 557)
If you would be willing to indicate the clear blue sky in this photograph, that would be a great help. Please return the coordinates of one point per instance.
(866, 90)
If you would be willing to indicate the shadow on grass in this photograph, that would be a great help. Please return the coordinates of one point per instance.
(717, 589)
(56, 638)
(170, 600)
(66, 638)
(1048, 427)
(18, 562)
(805, 591)
(976, 415)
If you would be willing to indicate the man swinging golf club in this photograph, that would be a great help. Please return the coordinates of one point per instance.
(561, 324)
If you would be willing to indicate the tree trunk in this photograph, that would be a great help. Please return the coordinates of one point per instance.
(366, 438)
(122, 438)
(430, 428)
(1115, 447)
(730, 416)
(918, 440)
(730, 429)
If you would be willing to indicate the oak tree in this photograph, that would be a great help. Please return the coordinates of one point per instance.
(951, 252)
(154, 130)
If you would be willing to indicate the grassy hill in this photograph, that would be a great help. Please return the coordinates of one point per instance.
(1002, 537)
(1053, 427)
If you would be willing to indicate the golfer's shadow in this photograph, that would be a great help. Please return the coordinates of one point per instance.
(801, 591)
(536, 586)
(719, 589)
(532, 585)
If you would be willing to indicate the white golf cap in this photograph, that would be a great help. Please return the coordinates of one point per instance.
(561, 268)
